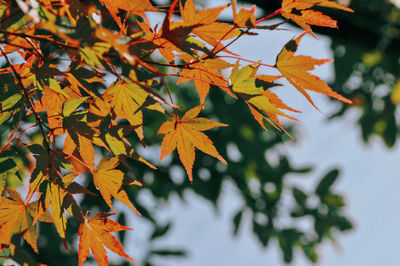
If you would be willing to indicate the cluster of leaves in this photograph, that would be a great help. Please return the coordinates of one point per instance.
(55, 98)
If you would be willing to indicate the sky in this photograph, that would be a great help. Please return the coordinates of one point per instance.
(368, 180)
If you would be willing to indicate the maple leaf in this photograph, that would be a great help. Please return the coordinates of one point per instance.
(255, 91)
(95, 234)
(203, 73)
(94, 55)
(110, 180)
(52, 102)
(164, 46)
(58, 197)
(185, 135)
(113, 139)
(206, 26)
(295, 70)
(131, 6)
(16, 216)
(84, 146)
(80, 134)
(202, 23)
(115, 41)
(299, 11)
(127, 100)
(244, 18)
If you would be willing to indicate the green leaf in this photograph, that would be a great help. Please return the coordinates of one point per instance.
(169, 252)
(10, 102)
(263, 232)
(71, 106)
(333, 201)
(326, 182)
(236, 221)
(343, 224)
(6, 165)
(311, 252)
(2, 185)
(5, 116)
(299, 196)
(160, 231)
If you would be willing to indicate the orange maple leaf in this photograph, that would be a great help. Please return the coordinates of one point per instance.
(110, 180)
(95, 234)
(85, 148)
(245, 18)
(185, 135)
(299, 11)
(295, 70)
(16, 216)
(206, 26)
(203, 73)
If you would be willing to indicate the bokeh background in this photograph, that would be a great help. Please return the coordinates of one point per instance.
(330, 196)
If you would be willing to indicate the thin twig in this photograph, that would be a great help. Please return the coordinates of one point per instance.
(32, 105)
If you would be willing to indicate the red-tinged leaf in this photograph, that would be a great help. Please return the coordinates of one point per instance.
(114, 39)
(299, 11)
(295, 70)
(202, 23)
(178, 35)
(164, 46)
(185, 135)
(95, 235)
(109, 181)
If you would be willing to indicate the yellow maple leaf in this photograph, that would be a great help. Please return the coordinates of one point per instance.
(185, 135)
(110, 180)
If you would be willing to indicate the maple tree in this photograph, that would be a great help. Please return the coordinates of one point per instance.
(58, 59)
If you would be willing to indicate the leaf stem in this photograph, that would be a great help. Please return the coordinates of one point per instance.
(170, 97)
(16, 137)
(247, 60)
(276, 12)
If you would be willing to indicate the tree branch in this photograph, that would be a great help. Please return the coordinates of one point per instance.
(32, 105)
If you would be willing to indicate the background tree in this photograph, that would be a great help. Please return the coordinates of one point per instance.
(65, 49)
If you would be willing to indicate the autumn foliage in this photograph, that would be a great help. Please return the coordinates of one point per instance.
(56, 56)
